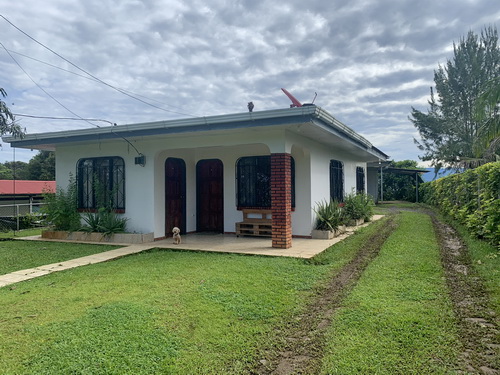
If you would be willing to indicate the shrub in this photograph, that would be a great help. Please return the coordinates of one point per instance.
(472, 198)
(329, 215)
(60, 209)
(104, 221)
(358, 206)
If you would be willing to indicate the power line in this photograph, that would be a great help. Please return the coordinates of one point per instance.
(90, 78)
(64, 118)
(41, 88)
(90, 74)
(62, 105)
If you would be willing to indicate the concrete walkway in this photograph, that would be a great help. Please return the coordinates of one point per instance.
(301, 248)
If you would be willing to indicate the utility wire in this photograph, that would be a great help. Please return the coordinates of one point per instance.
(91, 79)
(90, 74)
(64, 118)
(41, 88)
(62, 105)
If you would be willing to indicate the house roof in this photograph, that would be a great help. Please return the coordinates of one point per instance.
(310, 121)
(25, 187)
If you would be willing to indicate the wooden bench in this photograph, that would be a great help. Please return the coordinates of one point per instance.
(255, 223)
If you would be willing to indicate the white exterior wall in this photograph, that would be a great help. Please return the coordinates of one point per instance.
(145, 186)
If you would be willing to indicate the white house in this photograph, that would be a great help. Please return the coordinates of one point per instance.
(200, 173)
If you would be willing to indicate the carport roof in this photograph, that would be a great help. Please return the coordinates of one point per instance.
(310, 121)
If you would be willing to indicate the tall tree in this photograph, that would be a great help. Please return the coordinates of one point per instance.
(18, 170)
(488, 114)
(42, 166)
(7, 121)
(450, 128)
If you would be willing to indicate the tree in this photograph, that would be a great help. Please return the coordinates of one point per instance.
(42, 166)
(18, 170)
(488, 114)
(7, 121)
(450, 128)
(400, 187)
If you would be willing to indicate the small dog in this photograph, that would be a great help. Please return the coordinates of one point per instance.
(177, 235)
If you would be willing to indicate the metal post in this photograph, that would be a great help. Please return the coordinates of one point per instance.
(416, 186)
(381, 184)
(17, 216)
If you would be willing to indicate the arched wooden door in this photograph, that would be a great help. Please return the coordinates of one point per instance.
(175, 195)
(210, 196)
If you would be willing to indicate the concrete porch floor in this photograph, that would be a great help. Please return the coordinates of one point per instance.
(222, 243)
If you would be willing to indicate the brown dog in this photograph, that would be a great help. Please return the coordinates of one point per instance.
(177, 235)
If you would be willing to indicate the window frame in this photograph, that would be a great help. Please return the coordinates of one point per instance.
(337, 180)
(260, 164)
(111, 170)
(360, 180)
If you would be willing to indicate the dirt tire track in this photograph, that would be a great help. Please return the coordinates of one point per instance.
(304, 339)
(478, 326)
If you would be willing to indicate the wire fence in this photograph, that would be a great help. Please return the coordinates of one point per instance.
(20, 216)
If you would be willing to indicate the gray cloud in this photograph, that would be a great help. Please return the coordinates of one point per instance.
(369, 61)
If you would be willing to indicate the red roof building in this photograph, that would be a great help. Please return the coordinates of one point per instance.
(26, 188)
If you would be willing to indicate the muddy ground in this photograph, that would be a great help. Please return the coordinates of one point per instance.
(303, 341)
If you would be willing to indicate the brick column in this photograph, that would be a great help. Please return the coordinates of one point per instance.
(281, 200)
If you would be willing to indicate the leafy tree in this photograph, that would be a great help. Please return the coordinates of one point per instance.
(15, 170)
(488, 114)
(7, 121)
(450, 128)
(400, 187)
(42, 166)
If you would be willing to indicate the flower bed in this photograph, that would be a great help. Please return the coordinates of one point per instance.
(127, 238)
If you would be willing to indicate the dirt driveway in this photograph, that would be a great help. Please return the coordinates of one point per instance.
(304, 340)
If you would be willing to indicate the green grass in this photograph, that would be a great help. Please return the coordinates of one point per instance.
(204, 313)
(486, 260)
(21, 233)
(398, 319)
(174, 312)
(17, 255)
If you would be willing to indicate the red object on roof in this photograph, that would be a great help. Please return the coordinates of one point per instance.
(25, 187)
(294, 100)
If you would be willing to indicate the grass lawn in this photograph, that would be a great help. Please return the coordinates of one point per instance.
(159, 312)
(486, 260)
(174, 312)
(17, 255)
(21, 233)
(399, 318)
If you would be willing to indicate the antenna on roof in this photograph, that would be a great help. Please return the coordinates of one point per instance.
(295, 102)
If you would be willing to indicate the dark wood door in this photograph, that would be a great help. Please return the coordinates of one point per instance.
(210, 196)
(175, 195)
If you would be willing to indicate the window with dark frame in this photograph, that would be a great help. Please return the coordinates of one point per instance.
(360, 180)
(337, 180)
(253, 174)
(101, 183)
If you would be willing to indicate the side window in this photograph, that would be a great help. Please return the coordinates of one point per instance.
(360, 180)
(336, 180)
(101, 183)
(253, 186)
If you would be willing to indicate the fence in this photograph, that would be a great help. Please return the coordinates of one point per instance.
(20, 216)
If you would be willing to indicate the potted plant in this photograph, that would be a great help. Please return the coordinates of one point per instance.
(358, 208)
(329, 218)
(353, 207)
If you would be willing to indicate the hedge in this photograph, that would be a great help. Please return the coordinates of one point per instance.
(471, 197)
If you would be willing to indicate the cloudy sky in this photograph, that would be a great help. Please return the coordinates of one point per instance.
(369, 61)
